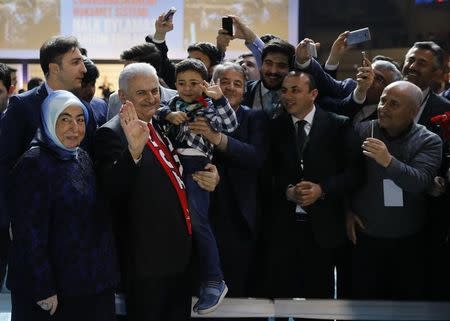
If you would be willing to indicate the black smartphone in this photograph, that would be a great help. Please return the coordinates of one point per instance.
(169, 14)
(227, 24)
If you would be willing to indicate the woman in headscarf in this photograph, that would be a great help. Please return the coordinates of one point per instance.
(63, 264)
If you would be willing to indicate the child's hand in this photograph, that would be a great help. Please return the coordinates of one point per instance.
(177, 117)
(212, 90)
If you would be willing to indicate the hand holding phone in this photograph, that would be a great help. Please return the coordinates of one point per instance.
(169, 14)
(311, 48)
(227, 25)
(357, 36)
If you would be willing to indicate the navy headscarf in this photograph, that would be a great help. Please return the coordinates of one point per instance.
(52, 107)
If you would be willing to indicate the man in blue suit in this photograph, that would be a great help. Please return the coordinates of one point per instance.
(62, 64)
(235, 205)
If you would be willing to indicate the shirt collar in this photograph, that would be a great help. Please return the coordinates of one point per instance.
(49, 90)
(308, 118)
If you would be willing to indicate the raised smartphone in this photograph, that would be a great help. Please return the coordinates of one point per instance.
(312, 50)
(170, 14)
(227, 25)
(357, 36)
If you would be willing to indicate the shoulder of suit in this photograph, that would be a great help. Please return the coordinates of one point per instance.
(98, 102)
(113, 124)
(333, 116)
(439, 100)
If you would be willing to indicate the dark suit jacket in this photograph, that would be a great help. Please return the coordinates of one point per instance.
(446, 94)
(251, 88)
(18, 128)
(327, 85)
(150, 227)
(332, 158)
(100, 109)
(240, 164)
(436, 105)
(167, 70)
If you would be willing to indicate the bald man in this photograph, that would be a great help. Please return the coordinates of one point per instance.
(388, 211)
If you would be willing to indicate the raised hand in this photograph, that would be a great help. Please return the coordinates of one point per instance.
(338, 49)
(377, 150)
(301, 52)
(364, 79)
(212, 90)
(223, 40)
(242, 31)
(162, 27)
(136, 130)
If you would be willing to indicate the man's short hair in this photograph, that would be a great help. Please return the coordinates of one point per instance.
(193, 65)
(145, 52)
(5, 75)
(267, 37)
(226, 66)
(92, 72)
(311, 81)
(386, 58)
(381, 64)
(214, 55)
(34, 82)
(54, 49)
(279, 46)
(438, 53)
(133, 70)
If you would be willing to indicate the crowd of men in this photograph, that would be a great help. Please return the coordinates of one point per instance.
(322, 177)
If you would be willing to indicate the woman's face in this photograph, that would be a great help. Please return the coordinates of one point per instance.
(70, 126)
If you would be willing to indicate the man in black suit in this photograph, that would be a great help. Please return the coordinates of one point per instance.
(139, 174)
(423, 62)
(277, 59)
(313, 172)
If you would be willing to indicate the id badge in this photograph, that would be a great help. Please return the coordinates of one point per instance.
(392, 193)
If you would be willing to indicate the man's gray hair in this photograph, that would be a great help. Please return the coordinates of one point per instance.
(219, 70)
(389, 66)
(133, 70)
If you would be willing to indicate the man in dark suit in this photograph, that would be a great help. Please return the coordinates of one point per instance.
(87, 91)
(423, 62)
(235, 210)
(277, 60)
(62, 64)
(148, 201)
(313, 172)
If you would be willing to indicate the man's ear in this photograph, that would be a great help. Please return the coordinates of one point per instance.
(122, 96)
(11, 90)
(314, 93)
(53, 68)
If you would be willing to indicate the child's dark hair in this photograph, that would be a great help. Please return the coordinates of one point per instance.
(191, 64)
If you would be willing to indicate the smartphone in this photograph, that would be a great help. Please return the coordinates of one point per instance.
(312, 50)
(358, 36)
(227, 25)
(170, 14)
(364, 56)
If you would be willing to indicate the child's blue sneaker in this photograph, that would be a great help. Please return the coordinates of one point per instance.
(211, 295)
